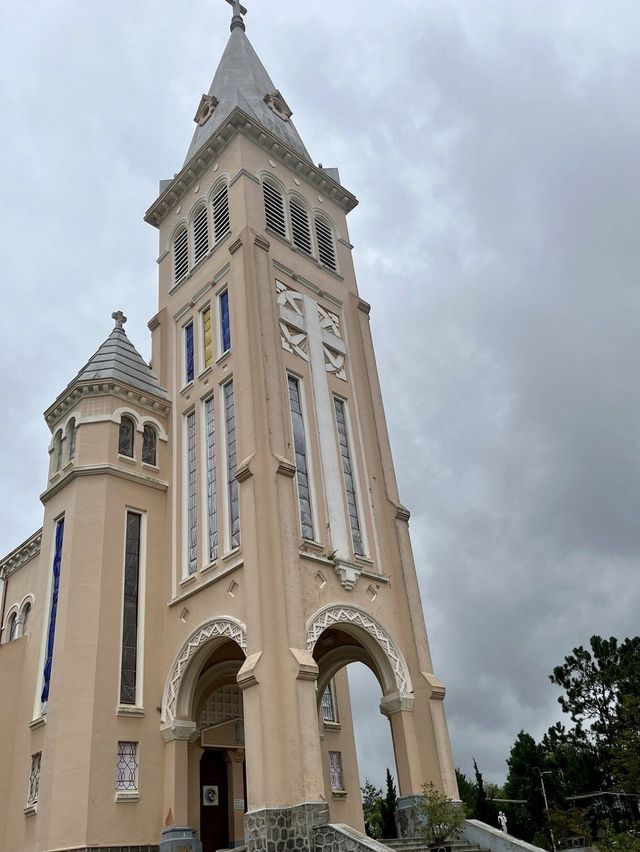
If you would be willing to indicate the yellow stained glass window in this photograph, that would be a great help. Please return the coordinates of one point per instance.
(208, 339)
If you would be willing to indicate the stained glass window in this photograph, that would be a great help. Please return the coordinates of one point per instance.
(225, 325)
(126, 437)
(349, 477)
(192, 529)
(207, 338)
(212, 515)
(127, 766)
(129, 664)
(300, 447)
(328, 705)
(149, 445)
(335, 770)
(232, 458)
(34, 779)
(189, 368)
(53, 613)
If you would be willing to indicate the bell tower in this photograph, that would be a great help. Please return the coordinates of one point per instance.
(287, 534)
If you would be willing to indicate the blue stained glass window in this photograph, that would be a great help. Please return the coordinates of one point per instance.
(212, 515)
(225, 325)
(53, 612)
(232, 458)
(188, 352)
(192, 523)
(129, 663)
(349, 477)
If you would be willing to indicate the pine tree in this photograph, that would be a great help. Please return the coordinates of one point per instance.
(388, 809)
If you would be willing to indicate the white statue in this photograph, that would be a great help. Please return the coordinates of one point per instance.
(502, 819)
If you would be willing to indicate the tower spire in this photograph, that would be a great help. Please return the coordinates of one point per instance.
(238, 11)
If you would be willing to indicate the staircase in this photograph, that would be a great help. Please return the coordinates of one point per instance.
(418, 844)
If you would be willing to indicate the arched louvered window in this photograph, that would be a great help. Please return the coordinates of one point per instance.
(180, 255)
(221, 220)
(326, 244)
(149, 445)
(71, 439)
(274, 209)
(200, 234)
(300, 226)
(126, 436)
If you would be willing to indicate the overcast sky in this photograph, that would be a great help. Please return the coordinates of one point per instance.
(493, 145)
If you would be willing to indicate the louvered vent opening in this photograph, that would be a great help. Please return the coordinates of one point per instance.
(326, 246)
(181, 255)
(221, 221)
(300, 227)
(201, 234)
(274, 210)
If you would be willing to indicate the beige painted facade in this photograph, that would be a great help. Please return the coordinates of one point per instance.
(234, 651)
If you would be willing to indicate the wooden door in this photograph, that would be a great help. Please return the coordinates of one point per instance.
(214, 801)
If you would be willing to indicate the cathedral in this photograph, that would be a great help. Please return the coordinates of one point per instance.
(222, 534)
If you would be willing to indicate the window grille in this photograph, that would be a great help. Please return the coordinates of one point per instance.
(221, 220)
(326, 245)
(129, 664)
(300, 226)
(71, 439)
(189, 365)
(127, 767)
(300, 448)
(225, 322)
(200, 234)
(149, 445)
(180, 255)
(349, 478)
(207, 338)
(192, 529)
(328, 705)
(126, 437)
(232, 455)
(335, 770)
(34, 779)
(53, 612)
(13, 627)
(212, 514)
(274, 209)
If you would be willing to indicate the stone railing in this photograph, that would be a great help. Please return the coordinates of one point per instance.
(487, 837)
(336, 837)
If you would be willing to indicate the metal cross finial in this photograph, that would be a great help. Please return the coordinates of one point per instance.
(119, 317)
(238, 11)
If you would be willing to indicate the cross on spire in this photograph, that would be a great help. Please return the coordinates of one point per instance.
(119, 317)
(238, 11)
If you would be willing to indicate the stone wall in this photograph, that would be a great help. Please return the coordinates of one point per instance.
(342, 838)
(284, 829)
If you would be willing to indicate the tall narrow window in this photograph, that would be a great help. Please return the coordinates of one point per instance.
(126, 436)
(127, 767)
(232, 458)
(221, 221)
(335, 771)
(150, 445)
(326, 245)
(274, 209)
(225, 322)
(180, 255)
(71, 439)
(13, 627)
(189, 367)
(328, 705)
(349, 478)
(207, 338)
(53, 612)
(300, 448)
(192, 528)
(26, 612)
(212, 514)
(58, 450)
(129, 664)
(300, 226)
(34, 779)
(200, 234)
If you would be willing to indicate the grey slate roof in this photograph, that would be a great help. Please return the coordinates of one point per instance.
(242, 81)
(118, 359)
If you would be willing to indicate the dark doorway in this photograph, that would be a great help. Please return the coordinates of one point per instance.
(214, 801)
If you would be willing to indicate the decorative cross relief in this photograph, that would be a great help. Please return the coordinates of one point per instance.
(293, 328)
(333, 344)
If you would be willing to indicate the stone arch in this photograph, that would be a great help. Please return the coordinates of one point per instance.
(393, 671)
(186, 667)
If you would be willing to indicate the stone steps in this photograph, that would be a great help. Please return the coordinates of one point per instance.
(418, 844)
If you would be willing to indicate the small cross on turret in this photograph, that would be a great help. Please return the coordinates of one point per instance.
(238, 11)
(120, 319)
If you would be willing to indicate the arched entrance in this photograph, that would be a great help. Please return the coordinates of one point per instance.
(203, 727)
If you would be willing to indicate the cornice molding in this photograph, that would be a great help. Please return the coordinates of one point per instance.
(239, 123)
(109, 387)
(102, 470)
(22, 554)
